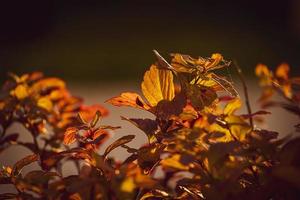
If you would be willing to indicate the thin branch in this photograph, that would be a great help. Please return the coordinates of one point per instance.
(230, 132)
(242, 78)
(36, 143)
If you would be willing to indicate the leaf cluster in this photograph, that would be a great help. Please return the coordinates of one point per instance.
(200, 146)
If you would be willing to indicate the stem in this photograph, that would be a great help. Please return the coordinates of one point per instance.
(242, 78)
(36, 143)
(2, 133)
(230, 132)
(33, 133)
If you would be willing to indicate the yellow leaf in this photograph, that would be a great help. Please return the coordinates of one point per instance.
(45, 103)
(209, 82)
(23, 78)
(7, 170)
(238, 127)
(287, 90)
(128, 185)
(48, 83)
(216, 59)
(232, 106)
(158, 85)
(262, 70)
(282, 71)
(216, 128)
(58, 94)
(21, 92)
(182, 63)
(173, 162)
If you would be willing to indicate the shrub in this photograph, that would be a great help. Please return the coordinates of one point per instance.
(198, 146)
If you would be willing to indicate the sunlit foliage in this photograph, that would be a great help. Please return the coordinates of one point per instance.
(200, 145)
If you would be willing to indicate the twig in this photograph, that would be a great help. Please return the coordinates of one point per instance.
(242, 78)
(230, 132)
(36, 143)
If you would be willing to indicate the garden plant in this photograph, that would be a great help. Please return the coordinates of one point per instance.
(200, 144)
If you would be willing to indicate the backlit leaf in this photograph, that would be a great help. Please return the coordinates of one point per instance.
(282, 71)
(70, 135)
(187, 64)
(215, 62)
(264, 73)
(174, 162)
(129, 99)
(48, 83)
(21, 92)
(128, 185)
(238, 127)
(232, 106)
(158, 85)
(88, 112)
(45, 103)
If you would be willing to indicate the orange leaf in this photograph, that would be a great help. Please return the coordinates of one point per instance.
(45, 103)
(129, 99)
(2, 105)
(216, 58)
(21, 92)
(265, 75)
(48, 83)
(88, 112)
(70, 135)
(282, 71)
(262, 70)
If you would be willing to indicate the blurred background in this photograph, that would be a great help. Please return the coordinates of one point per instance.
(102, 48)
(113, 40)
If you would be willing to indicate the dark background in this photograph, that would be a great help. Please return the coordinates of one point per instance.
(113, 40)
